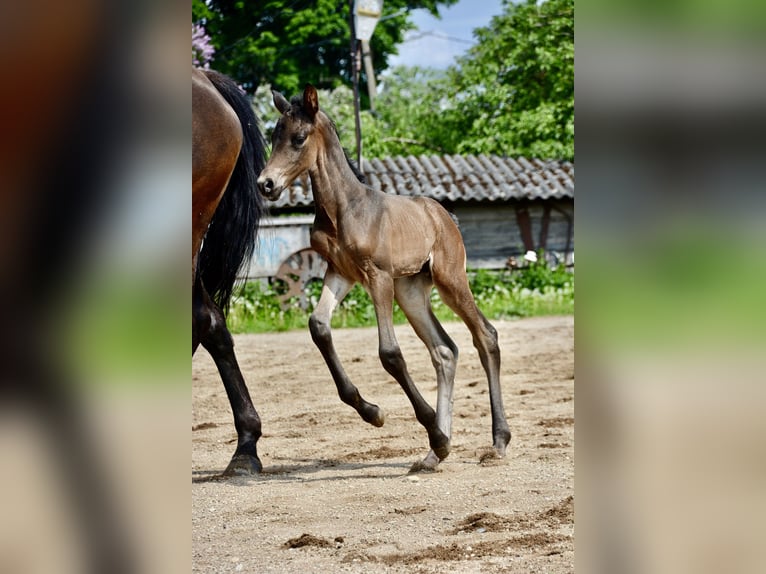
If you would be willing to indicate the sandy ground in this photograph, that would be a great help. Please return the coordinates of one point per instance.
(336, 495)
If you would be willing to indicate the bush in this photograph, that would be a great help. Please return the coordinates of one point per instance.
(536, 289)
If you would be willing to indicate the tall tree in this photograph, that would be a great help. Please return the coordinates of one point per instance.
(289, 43)
(513, 92)
(407, 121)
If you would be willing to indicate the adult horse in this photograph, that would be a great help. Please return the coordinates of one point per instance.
(397, 248)
(228, 153)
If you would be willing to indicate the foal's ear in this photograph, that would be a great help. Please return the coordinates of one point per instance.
(280, 102)
(310, 101)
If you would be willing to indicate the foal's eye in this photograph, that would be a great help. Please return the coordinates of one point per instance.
(299, 140)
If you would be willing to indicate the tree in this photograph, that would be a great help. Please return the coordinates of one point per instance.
(407, 119)
(513, 93)
(288, 44)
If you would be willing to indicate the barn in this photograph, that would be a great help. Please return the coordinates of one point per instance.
(505, 206)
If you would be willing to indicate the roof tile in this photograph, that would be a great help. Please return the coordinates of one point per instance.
(457, 178)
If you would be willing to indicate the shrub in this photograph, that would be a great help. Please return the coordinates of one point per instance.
(536, 289)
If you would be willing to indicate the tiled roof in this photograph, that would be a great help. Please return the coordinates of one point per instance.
(456, 178)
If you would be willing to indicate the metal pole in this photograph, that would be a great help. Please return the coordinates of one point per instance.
(355, 67)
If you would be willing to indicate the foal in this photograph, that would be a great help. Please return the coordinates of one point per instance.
(397, 248)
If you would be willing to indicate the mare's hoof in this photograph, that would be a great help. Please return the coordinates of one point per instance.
(428, 464)
(373, 414)
(243, 465)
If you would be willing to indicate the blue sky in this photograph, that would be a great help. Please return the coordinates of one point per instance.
(437, 42)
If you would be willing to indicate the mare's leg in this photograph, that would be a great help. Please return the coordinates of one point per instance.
(413, 295)
(381, 288)
(210, 329)
(200, 316)
(453, 287)
(335, 288)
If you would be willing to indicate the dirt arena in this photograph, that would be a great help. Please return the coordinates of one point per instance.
(336, 495)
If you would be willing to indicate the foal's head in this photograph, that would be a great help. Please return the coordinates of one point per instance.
(293, 143)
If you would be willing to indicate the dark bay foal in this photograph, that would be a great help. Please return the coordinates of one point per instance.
(397, 248)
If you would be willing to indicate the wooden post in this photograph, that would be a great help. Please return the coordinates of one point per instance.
(525, 227)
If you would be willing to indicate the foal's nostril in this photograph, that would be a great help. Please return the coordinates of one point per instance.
(267, 185)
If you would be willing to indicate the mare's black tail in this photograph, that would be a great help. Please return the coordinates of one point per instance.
(231, 237)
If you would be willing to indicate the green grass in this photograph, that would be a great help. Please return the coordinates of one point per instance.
(532, 291)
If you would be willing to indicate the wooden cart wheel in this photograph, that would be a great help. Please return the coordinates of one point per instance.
(297, 271)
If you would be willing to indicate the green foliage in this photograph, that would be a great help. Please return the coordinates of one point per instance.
(290, 43)
(513, 93)
(534, 290)
(257, 309)
(530, 291)
(539, 275)
(407, 121)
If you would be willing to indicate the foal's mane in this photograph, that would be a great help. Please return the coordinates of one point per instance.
(297, 102)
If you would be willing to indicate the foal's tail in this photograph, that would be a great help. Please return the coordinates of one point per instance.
(230, 239)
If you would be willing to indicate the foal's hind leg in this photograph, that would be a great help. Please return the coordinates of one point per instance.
(210, 329)
(456, 293)
(413, 294)
(381, 287)
(335, 288)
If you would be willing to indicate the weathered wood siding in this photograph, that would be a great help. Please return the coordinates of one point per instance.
(494, 232)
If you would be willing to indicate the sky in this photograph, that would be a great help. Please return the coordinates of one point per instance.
(437, 42)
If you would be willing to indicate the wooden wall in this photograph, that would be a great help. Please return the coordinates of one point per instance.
(494, 232)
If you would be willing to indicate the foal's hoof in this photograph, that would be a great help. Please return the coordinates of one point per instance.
(501, 441)
(440, 445)
(373, 414)
(428, 464)
(243, 465)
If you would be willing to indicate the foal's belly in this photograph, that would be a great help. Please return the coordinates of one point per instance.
(357, 265)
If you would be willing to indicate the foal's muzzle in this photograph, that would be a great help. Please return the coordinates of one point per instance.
(268, 188)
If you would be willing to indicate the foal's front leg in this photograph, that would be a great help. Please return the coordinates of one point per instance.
(335, 288)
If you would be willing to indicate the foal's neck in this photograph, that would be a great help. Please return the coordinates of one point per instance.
(333, 182)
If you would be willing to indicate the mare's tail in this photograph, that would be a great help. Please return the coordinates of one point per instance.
(230, 239)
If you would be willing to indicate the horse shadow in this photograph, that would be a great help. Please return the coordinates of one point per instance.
(305, 470)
